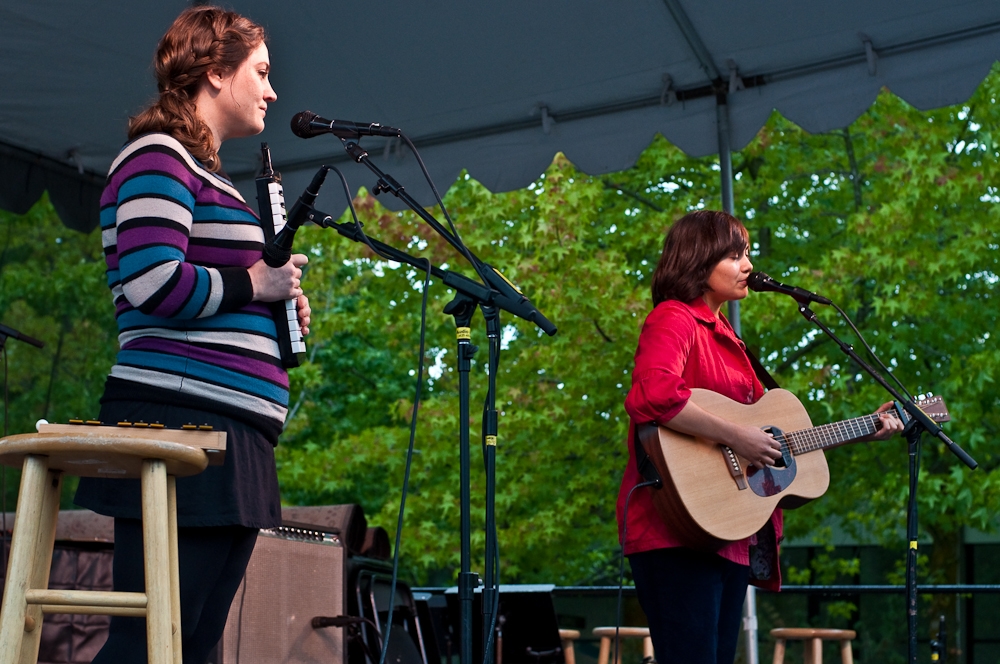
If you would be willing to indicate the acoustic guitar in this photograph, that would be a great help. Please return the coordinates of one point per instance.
(711, 496)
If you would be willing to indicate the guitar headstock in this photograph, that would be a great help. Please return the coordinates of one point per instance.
(934, 407)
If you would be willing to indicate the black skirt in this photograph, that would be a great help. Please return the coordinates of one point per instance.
(243, 491)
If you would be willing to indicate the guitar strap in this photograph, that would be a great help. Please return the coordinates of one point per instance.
(765, 378)
(642, 461)
(764, 569)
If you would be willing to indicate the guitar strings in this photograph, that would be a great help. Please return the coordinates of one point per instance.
(807, 440)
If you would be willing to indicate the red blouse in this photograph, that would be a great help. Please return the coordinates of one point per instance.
(681, 346)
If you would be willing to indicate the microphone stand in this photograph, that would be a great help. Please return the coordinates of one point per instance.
(915, 428)
(499, 294)
(468, 296)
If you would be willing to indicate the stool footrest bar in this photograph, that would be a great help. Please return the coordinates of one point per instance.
(123, 611)
(86, 598)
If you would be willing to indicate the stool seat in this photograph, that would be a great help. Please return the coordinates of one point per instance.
(798, 633)
(102, 455)
(567, 637)
(607, 634)
(149, 455)
(813, 638)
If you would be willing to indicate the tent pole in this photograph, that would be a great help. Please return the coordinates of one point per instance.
(726, 180)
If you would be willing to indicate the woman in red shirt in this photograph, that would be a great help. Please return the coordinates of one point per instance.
(693, 599)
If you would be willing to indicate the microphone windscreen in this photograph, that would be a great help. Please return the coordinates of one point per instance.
(757, 280)
(301, 124)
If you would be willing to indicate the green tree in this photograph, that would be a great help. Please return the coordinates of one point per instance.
(894, 217)
(53, 287)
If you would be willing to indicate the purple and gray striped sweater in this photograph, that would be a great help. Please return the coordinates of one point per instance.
(178, 241)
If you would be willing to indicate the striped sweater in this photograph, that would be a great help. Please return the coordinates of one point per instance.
(178, 241)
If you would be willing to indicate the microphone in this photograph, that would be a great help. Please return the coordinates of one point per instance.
(20, 336)
(278, 251)
(510, 298)
(760, 282)
(307, 124)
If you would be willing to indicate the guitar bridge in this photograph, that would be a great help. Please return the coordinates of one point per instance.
(733, 463)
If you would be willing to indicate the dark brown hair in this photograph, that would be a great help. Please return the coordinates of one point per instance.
(200, 39)
(694, 246)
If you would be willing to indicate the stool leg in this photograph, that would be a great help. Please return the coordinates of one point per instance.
(779, 652)
(157, 558)
(175, 581)
(605, 651)
(30, 500)
(846, 655)
(48, 519)
(647, 648)
(814, 651)
(569, 653)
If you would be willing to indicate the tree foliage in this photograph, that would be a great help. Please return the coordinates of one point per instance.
(53, 288)
(894, 217)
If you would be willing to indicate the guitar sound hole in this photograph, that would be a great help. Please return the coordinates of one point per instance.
(774, 479)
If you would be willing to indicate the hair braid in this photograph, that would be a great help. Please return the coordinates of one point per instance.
(199, 40)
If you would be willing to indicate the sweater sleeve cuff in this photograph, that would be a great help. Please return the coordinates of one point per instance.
(237, 289)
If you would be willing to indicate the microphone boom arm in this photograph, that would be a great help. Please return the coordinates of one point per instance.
(387, 183)
(518, 306)
(502, 292)
(919, 417)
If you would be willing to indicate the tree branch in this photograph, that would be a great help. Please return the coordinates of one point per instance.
(802, 352)
(601, 332)
(855, 172)
(631, 194)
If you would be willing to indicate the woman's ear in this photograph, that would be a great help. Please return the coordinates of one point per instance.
(214, 79)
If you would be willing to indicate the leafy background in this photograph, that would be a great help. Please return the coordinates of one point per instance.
(894, 217)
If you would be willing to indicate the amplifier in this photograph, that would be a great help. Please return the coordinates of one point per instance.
(294, 575)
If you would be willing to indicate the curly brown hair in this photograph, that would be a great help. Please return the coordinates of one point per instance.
(693, 247)
(200, 39)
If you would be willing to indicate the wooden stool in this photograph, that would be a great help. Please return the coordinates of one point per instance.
(813, 642)
(568, 636)
(607, 635)
(44, 457)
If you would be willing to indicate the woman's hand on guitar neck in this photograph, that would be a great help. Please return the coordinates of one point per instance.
(749, 442)
(889, 424)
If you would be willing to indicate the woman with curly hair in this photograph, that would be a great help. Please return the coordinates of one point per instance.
(198, 343)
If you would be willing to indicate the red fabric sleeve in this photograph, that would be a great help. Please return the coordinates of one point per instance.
(658, 390)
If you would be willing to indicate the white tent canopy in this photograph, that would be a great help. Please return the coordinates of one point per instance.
(496, 88)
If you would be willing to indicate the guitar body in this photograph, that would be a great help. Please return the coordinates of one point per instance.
(705, 499)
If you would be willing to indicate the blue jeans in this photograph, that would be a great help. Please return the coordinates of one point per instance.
(693, 602)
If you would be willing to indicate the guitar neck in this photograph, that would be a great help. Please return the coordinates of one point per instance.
(829, 435)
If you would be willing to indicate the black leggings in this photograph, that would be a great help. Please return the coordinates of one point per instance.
(693, 602)
(212, 562)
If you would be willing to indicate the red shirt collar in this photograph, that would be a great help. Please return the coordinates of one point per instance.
(701, 311)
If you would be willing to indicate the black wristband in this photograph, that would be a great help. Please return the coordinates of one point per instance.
(237, 288)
